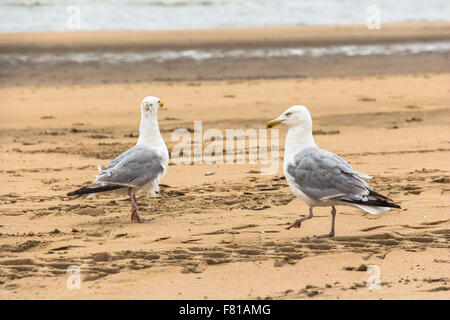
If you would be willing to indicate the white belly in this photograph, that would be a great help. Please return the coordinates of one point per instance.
(152, 187)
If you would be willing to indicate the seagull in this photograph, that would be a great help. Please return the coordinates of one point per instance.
(321, 178)
(139, 169)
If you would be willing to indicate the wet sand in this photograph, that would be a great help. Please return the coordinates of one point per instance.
(222, 236)
(51, 48)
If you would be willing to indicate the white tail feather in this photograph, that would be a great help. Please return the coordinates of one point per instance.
(373, 210)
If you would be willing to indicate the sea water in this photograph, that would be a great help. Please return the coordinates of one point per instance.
(66, 15)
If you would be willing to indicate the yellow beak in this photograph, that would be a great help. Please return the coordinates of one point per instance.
(161, 104)
(273, 123)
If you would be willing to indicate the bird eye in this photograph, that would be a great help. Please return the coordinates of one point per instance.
(288, 114)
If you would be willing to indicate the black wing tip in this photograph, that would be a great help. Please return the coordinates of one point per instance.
(383, 200)
(388, 205)
(79, 192)
(396, 206)
(374, 203)
(379, 196)
(93, 189)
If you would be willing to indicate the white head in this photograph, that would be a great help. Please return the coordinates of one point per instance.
(296, 116)
(150, 106)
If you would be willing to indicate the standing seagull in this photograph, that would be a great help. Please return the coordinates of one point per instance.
(321, 178)
(140, 168)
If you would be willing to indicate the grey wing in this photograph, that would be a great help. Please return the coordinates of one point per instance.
(322, 175)
(119, 158)
(137, 167)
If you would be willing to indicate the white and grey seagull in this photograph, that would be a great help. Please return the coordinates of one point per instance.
(321, 178)
(139, 169)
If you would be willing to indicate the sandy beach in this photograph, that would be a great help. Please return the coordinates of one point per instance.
(221, 235)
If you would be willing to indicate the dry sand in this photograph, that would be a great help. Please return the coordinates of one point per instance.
(222, 235)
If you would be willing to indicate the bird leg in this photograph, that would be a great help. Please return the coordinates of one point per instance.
(134, 207)
(134, 210)
(333, 216)
(298, 222)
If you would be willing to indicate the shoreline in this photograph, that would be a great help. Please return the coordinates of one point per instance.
(129, 57)
(261, 37)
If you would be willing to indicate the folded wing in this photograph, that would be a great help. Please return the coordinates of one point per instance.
(133, 168)
(324, 176)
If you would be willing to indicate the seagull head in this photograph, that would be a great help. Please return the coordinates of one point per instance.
(296, 116)
(150, 106)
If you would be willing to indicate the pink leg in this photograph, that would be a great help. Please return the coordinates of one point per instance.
(333, 218)
(298, 222)
(134, 210)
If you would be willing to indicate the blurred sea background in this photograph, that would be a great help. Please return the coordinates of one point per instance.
(37, 44)
(52, 15)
